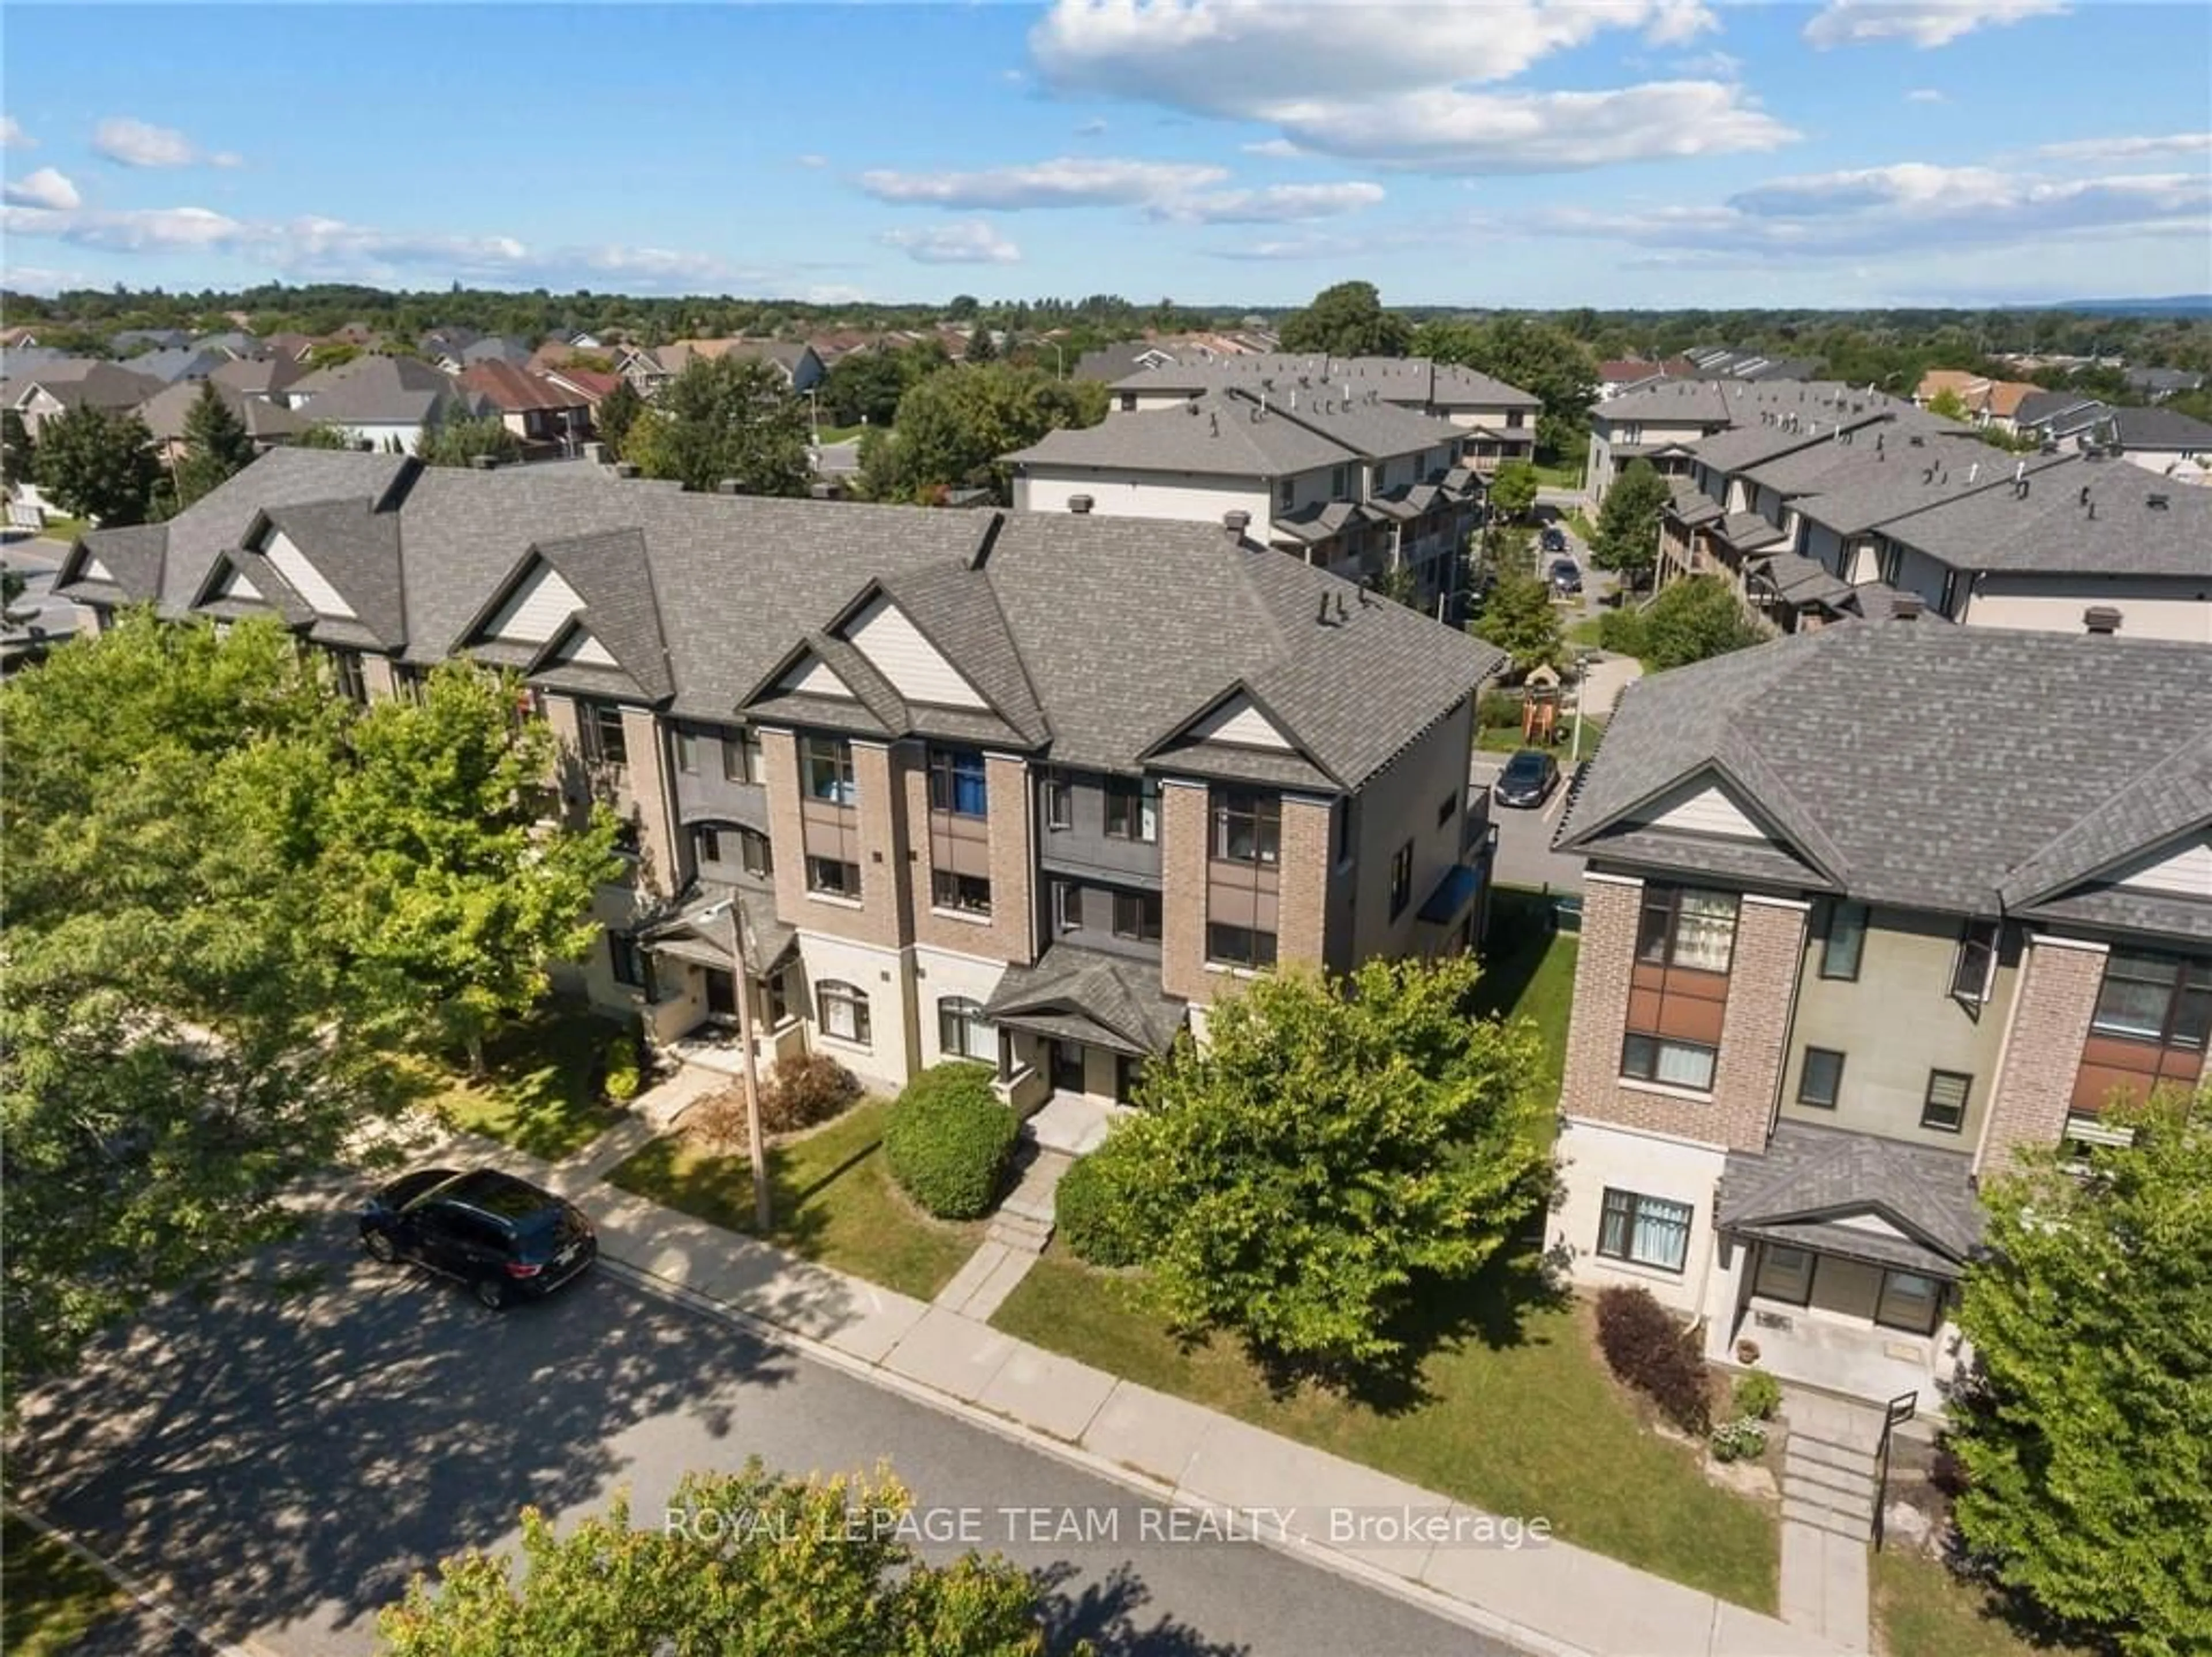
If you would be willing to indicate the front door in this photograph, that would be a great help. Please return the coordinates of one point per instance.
(1067, 1066)
(722, 994)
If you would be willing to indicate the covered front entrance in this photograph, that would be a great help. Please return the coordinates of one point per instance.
(1075, 1031)
(695, 1011)
(1840, 1254)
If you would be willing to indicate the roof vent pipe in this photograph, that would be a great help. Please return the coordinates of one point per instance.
(1236, 523)
(2101, 619)
(1906, 606)
(1080, 505)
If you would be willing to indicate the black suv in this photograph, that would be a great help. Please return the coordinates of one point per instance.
(503, 1237)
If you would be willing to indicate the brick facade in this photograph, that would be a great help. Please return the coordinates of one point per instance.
(1754, 1030)
(787, 838)
(1183, 907)
(2051, 1010)
(1008, 934)
(645, 791)
(1302, 891)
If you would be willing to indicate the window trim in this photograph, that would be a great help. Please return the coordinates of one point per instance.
(1712, 1053)
(951, 771)
(2192, 977)
(349, 677)
(1226, 806)
(1668, 900)
(749, 841)
(622, 946)
(1628, 1211)
(1136, 801)
(1401, 879)
(1066, 907)
(1966, 1080)
(1059, 802)
(741, 756)
(594, 722)
(1976, 936)
(836, 992)
(1253, 963)
(1847, 972)
(1804, 1079)
(1934, 1302)
(946, 887)
(836, 753)
(687, 751)
(1812, 1273)
(816, 888)
(1150, 909)
(964, 1013)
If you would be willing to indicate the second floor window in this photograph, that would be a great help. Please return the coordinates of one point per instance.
(1137, 916)
(1974, 968)
(1248, 827)
(1685, 927)
(956, 783)
(345, 668)
(826, 766)
(1059, 801)
(1402, 880)
(969, 894)
(1133, 808)
(1239, 946)
(599, 725)
(1845, 943)
(832, 879)
(687, 752)
(2160, 998)
(741, 757)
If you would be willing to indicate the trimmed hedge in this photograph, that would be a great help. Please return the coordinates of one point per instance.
(625, 1074)
(1089, 1217)
(1647, 1346)
(948, 1140)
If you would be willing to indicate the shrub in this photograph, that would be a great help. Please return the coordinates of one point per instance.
(804, 1089)
(1091, 1218)
(1757, 1395)
(1740, 1440)
(625, 1076)
(1495, 710)
(1652, 1351)
(949, 1139)
(1621, 632)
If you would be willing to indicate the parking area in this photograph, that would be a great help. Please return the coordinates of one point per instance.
(1525, 857)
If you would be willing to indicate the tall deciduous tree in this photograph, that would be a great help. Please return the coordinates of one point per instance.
(981, 347)
(1513, 488)
(99, 465)
(1335, 1149)
(19, 453)
(864, 387)
(2085, 1439)
(217, 445)
(729, 417)
(953, 427)
(1518, 616)
(456, 439)
(322, 435)
(1347, 320)
(1546, 360)
(739, 1564)
(1692, 620)
(1628, 538)
(616, 413)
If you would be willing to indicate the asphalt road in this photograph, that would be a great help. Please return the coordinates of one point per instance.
(279, 1461)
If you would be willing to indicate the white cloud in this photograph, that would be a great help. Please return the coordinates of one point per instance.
(1923, 23)
(1273, 149)
(1401, 85)
(812, 161)
(1708, 66)
(140, 144)
(2197, 144)
(1280, 204)
(1913, 207)
(966, 241)
(43, 188)
(1926, 95)
(1067, 182)
(12, 136)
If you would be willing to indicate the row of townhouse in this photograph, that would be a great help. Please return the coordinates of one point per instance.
(1498, 421)
(651, 369)
(1360, 486)
(1029, 787)
(1888, 507)
(1869, 910)
(1662, 422)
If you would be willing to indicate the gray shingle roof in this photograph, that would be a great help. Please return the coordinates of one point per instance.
(1934, 762)
(1809, 1176)
(1398, 379)
(1217, 434)
(2050, 530)
(165, 411)
(1121, 629)
(1070, 989)
(356, 549)
(1892, 480)
(374, 390)
(2162, 428)
(610, 572)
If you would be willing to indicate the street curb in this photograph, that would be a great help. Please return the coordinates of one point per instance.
(1419, 1595)
(133, 1590)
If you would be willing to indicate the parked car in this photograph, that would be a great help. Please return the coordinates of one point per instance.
(503, 1237)
(1566, 577)
(1528, 780)
(1553, 539)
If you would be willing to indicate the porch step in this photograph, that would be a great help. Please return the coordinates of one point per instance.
(1843, 1458)
(1850, 1526)
(1856, 1504)
(1038, 1173)
(1019, 1232)
(1811, 1477)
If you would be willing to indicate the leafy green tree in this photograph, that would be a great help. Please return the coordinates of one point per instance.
(1347, 320)
(448, 900)
(2084, 1434)
(330, 354)
(728, 417)
(1692, 620)
(216, 446)
(743, 1564)
(1548, 362)
(457, 438)
(1948, 403)
(322, 435)
(963, 308)
(953, 427)
(1337, 1150)
(99, 464)
(1628, 538)
(979, 346)
(1519, 617)
(1513, 488)
(19, 453)
(864, 387)
(616, 413)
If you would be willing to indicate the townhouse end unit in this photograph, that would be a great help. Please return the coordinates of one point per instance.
(1869, 910)
(1030, 788)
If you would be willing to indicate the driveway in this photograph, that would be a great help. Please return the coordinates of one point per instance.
(280, 1460)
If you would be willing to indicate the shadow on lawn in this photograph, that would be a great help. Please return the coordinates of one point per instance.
(544, 1082)
(1104, 1613)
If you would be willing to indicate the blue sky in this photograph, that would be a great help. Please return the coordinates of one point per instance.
(1660, 153)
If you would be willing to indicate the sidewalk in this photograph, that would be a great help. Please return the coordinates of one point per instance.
(1547, 1598)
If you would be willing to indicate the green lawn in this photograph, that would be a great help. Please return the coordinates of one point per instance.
(843, 434)
(1921, 1609)
(1529, 970)
(60, 528)
(540, 1090)
(1516, 1415)
(834, 1202)
(1577, 522)
(1564, 473)
(1506, 739)
(53, 1598)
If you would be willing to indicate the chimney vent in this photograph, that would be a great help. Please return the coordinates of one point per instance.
(2101, 619)
(1236, 523)
(625, 468)
(595, 453)
(1906, 606)
(2159, 502)
(1079, 504)
(727, 486)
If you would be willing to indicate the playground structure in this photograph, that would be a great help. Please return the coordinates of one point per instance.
(1540, 709)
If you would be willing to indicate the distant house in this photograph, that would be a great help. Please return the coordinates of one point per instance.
(496, 348)
(174, 363)
(583, 340)
(53, 389)
(650, 369)
(235, 342)
(1992, 403)
(2168, 441)
(535, 408)
(590, 385)
(1625, 374)
(294, 346)
(265, 377)
(266, 423)
(384, 401)
(139, 339)
(2159, 384)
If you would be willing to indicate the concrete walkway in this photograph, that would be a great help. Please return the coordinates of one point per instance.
(1546, 1597)
(1828, 1494)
